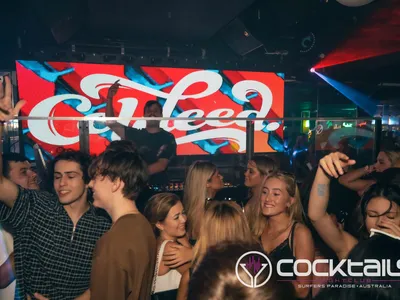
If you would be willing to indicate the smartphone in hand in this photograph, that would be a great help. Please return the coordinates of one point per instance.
(377, 231)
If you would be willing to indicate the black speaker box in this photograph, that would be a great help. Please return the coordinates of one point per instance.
(239, 38)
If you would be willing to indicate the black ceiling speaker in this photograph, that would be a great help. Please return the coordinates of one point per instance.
(63, 18)
(239, 38)
(63, 29)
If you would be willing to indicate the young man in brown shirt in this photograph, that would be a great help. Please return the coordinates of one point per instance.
(124, 258)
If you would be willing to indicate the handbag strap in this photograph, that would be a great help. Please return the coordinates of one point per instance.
(158, 261)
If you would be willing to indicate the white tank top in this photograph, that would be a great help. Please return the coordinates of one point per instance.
(6, 248)
(166, 282)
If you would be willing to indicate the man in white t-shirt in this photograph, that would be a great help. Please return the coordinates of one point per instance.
(16, 168)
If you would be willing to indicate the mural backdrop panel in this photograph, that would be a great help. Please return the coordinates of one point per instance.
(61, 89)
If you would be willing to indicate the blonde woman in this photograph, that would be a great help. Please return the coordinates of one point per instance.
(257, 171)
(203, 181)
(167, 217)
(280, 227)
(354, 179)
(223, 221)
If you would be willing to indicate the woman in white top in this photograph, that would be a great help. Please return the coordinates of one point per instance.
(168, 219)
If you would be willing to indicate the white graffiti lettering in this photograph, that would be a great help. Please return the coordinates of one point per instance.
(91, 85)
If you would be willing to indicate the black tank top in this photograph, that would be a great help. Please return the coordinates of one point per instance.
(284, 251)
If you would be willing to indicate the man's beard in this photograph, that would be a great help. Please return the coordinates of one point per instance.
(152, 124)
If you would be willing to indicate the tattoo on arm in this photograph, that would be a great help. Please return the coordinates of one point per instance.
(321, 190)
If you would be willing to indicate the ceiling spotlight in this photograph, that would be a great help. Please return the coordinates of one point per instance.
(312, 70)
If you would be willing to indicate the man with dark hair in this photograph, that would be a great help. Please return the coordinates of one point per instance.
(54, 235)
(124, 258)
(156, 146)
(16, 168)
(122, 145)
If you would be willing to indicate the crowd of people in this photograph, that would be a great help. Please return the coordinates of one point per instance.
(87, 239)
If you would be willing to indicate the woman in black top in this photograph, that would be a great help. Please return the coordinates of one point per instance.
(284, 236)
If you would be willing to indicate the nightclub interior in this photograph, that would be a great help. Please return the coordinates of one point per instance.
(232, 106)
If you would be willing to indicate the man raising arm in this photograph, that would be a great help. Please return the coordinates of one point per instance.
(16, 168)
(114, 125)
(54, 235)
(156, 146)
(7, 112)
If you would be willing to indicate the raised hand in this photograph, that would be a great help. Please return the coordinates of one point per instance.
(334, 163)
(113, 90)
(7, 112)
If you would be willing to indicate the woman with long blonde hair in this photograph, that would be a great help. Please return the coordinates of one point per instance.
(203, 180)
(360, 180)
(280, 227)
(223, 221)
(258, 169)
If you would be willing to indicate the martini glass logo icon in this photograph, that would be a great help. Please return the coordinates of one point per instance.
(254, 264)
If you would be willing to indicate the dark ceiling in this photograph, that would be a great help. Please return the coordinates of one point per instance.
(289, 35)
(173, 21)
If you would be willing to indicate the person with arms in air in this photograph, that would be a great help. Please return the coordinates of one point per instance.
(379, 207)
(156, 146)
(54, 234)
(16, 168)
